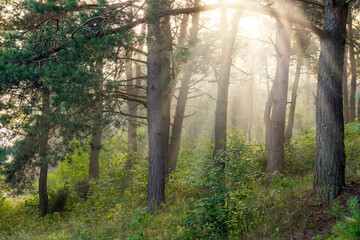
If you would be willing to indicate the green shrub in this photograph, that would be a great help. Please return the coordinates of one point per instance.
(348, 225)
(57, 199)
(81, 188)
(300, 154)
(352, 147)
(225, 207)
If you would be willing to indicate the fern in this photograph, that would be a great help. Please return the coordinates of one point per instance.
(348, 226)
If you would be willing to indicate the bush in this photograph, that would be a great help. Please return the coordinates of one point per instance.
(225, 207)
(300, 154)
(81, 188)
(348, 225)
(57, 199)
(352, 148)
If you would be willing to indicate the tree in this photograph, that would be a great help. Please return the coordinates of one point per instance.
(352, 67)
(158, 70)
(227, 43)
(275, 113)
(345, 90)
(295, 86)
(301, 44)
(330, 151)
(96, 129)
(183, 95)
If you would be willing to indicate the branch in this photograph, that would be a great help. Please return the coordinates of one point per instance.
(313, 2)
(250, 7)
(82, 25)
(129, 97)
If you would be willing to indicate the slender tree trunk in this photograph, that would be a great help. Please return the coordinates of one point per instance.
(182, 98)
(95, 144)
(132, 107)
(267, 118)
(352, 69)
(181, 41)
(289, 130)
(330, 151)
(276, 134)
(223, 84)
(358, 109)
(267, 77)
(43, 147)
(166, 89)
(251, 90)
(158, 65)
(345, 91)
(308, 90)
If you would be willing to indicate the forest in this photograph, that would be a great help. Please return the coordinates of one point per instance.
(179, 119)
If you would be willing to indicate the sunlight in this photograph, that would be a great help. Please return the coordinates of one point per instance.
(250, 25)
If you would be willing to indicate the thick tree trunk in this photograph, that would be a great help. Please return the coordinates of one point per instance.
(223, 85)
(43, 147)
(95, 144)
(276, 134)
(330, 152)
(352, 69)
(345, 91)
(182, 99)
(290, 125)
(158, 65)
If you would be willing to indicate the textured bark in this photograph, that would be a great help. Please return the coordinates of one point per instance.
(158, 68)
(276, 134)
(182, 99)
(44, 138)
(330, 151)
(95, 144)
(290, 125)
(43, 196)
(345, 91)
(352, 69)
(223, 84)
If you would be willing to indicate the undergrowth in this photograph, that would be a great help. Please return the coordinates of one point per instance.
(239, 201)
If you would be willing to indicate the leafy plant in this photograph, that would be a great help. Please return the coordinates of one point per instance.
(58, 199)
(348, 225)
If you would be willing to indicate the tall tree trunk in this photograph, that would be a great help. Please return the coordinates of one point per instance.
(330, 151)
(267, 77)
(182, 98)
(133, 89)
(308, 90)
(289, 129)
(223, 84)
(158, 65)
(95, 144)
(276, 134)
(43, 147)
(352, 69)
(251, 93)
(132, 106)
(345, 91)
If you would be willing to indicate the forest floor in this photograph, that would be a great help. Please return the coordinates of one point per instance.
(321, 218)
